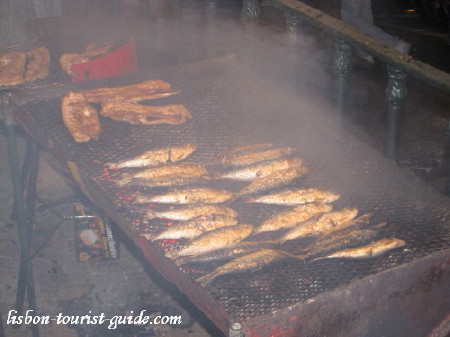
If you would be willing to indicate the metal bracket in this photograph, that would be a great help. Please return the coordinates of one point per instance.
(236, 330)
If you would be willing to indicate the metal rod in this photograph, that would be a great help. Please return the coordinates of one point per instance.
(395, 97)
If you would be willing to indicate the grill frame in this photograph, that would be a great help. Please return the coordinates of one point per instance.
(313, 127)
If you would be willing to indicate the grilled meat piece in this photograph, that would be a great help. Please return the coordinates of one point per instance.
(131, 93)
(228, 253)
(37, 64)
(192, 195)
(187, 213)
(66, 61)
(165, 172)
(79, 117)
(12, 68)
(196, 227)
(260, 170)
(273, 180)
(292, 217)
(250, 262)
(369, 251)
(325, 223)
(213, 240)
(156, 157)
(256, 157)
(294, 197)
(134, 113)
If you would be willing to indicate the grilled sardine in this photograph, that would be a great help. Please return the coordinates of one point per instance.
(325, 223)
(228, 253)
(187, 213)
(256, 157)
(260, 170)
(167, 182)
(249, 262)
(276, 179)
(192, 195)
(156, 157)
(371, 250)
(292, 217)
(240, 150)
(181, 170)
(294, 197)
(196, 227)
(213, 240)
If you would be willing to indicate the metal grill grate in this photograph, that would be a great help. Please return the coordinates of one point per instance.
(231, 106)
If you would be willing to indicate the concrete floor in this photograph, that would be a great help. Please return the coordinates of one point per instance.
(116, 287)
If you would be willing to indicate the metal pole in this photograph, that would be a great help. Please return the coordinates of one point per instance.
(292, 31)
(395, 97)
(25, 272)
(342, 66)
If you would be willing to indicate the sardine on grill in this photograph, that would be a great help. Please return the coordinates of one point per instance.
(213, 240)
(79, 117)
(196, 226)
(294, 197)
(369, 251)
(135, 113)
(167, 181)
(181, 170)
(260, 170)
(240, 150)
(245, 159)
(156, 157)
(273, 180)
(187, 213)
(250, 262)
(190, 195)
(291, 217)
(228, 253)
(325, 223)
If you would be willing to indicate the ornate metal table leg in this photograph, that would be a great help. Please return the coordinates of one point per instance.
(293, 24)
(395, 96)
(342, 65)
(211, 11)
(250, 13)
(25, 282)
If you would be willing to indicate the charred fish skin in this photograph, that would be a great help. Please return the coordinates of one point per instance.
(295, 197)
(224, 254)
(292, 217)
(253, 261)
(369, 251)
(325, 223)
(196, 227)
(245, 159)
(260, 170)
(213, 240)
(187, 213)
(276, 179)
(193, 195)
(155, 157)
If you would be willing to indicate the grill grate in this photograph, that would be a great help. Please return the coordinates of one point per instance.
(232, 106)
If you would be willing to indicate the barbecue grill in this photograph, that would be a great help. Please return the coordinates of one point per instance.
(402, 293)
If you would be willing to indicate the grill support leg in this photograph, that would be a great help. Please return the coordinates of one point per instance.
(293, 24)
(250, 13)
(25, 281)
(395, 97)
(342, 66)
(236, 330)
(211, 13)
